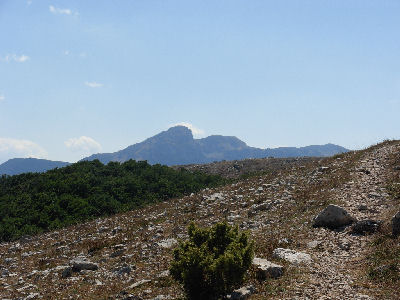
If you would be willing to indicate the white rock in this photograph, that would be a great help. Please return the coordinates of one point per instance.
(139, 283)
(314, 244)
(167, 243)
(80, 264)
(267, 269)
(242, 293)
(216, 196)
(332, 217)
(292, 256)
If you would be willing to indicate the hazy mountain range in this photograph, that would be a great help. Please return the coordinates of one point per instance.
(23, 165)
(176, 146)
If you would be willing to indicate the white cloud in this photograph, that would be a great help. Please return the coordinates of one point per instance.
(197, 132)
(2, 98)
(93, 84)
(83, 144)
(11, 148)
(60, 11)
(21, 58)
(29, 2)
(14, 57)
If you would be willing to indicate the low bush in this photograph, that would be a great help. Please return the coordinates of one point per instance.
(213, 261)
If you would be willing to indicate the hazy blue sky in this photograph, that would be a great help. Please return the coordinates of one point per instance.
(78, 77)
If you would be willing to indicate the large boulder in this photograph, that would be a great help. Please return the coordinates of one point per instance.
(396, 224)
(267, 269)
(292, 256)
(333, 217)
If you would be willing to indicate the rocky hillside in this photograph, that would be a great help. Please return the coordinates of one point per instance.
(249, 167)
(127, 256)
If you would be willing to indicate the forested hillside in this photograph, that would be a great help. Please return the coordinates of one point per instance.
(31, 203)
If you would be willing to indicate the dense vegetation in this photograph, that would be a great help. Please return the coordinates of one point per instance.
(34, 202)
(213, 262)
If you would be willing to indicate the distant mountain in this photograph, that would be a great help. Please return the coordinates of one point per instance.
(24, 165)
(176, 146)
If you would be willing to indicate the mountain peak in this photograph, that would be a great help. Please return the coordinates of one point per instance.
(179, 130)
(177, 134)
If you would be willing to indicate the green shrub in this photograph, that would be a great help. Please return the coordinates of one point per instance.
(35, 202)
(213, 262)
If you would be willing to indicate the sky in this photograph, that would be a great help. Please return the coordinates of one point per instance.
(82, 77)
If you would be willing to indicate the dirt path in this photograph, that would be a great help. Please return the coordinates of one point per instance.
(337, 254)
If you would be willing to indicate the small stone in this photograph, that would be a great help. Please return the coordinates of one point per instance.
(362, 207)
(365, 226)
(98, 282)
(139, 283)
(323, 169)
(164, 274)
(292, 256)
(117, 253)
(131, 297)
(267, 269)
(314, 244)
(254, 209)
(32, 296)
(242, 293)
(67, 272)
(167, 243)
(125, 269)
(116, 230)
(161, 297)
(344, 245)
(8, 260)
(81, 264)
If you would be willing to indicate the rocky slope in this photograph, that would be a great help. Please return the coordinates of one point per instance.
(127, 256)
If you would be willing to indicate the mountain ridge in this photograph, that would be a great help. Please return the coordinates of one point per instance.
(17, 166)
(177, 146)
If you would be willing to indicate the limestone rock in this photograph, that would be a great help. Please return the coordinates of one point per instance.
(292, 256)
(167, 243)
(254, 209)
(80, 264)
(314, 244)
(124, 269)
(267, 269)
(332, 217)
(242, 293)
